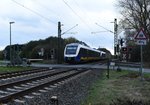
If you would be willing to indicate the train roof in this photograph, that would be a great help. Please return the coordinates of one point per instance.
(72, 44)
(83, 46)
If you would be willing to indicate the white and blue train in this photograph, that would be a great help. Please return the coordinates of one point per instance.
(76, 53)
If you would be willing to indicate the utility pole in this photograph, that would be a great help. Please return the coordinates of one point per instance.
(10, 44)
(59, 43)
(59, 52)
(115, 37)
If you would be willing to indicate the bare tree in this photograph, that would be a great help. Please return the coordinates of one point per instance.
(136, 14)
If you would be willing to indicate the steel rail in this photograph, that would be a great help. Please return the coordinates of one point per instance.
(9, 97)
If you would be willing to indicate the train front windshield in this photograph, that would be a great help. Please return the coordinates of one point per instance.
(71, 49)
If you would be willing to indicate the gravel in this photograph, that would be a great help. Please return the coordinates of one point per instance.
(69, 92)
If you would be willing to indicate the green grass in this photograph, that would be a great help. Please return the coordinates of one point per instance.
(120, 85)
(146, 75)
(13, 68)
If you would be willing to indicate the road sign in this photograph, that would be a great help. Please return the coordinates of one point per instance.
(141, 42)
(140, 35)
(141, 39)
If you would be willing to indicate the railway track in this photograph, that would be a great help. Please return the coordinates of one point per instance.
(98, 62)
(18, 73)
(15, 89)
(12, 77)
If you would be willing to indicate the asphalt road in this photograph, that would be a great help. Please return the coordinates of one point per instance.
(89, 65)
(97, 66)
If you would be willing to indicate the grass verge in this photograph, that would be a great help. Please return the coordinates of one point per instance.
(124, 86)
(4, 69)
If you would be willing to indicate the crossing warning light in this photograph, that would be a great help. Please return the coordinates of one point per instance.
(124, 49)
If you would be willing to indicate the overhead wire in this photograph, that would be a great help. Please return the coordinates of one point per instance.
(76, 13)
(69, 29)
(34, 12)
(104, 28)
(110, 31)
(48, 9)
(83, 11)
(107, 30)
(89, 19)
(40, 15)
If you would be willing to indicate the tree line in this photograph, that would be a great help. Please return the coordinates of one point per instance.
(37, 49)
(46, 49)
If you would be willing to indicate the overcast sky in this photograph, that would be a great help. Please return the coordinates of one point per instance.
(38, 19)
